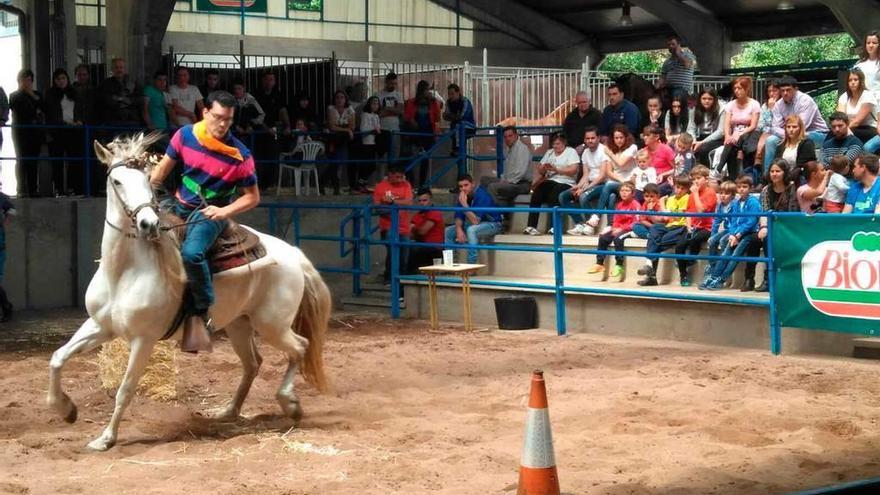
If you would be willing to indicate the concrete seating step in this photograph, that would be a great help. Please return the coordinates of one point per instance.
(866, 348)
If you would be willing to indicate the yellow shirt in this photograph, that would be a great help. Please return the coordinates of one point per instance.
(676, 205)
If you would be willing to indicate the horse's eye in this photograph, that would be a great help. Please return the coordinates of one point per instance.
(116, 182)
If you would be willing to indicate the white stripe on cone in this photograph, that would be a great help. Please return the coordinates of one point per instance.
(538, 445)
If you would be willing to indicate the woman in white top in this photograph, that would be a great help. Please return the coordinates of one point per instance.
(555, 174)
(340, 122)
(860, 105)
(369, 127)
(706, 126)
(621, 154)
(869, 62)
(740, 124)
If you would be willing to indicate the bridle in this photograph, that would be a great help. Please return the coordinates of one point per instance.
(131, 213)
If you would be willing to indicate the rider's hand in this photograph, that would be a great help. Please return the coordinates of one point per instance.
(214, 213)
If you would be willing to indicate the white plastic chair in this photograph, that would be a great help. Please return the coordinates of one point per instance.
(309, 150)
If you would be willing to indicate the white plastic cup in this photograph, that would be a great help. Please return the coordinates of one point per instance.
(448, 259)
(438, 261)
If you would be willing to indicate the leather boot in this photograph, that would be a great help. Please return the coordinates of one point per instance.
(748, 285)
(764, 287)
(196, 335)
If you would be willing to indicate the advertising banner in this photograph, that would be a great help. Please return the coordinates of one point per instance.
(250, 6)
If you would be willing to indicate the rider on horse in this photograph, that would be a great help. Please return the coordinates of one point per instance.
(219, 182)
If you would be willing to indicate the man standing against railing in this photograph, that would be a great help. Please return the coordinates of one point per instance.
(390, 110)
(677, 72)
(267, 145)
(459, 111)
(394, 190)
(584, 115)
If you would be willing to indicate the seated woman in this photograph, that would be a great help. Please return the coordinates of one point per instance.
(859, 104)
(555, 174)
(675, 120)
(706, 126)
(740, 122)
(766, 118)
(796, 149)
(621, 154)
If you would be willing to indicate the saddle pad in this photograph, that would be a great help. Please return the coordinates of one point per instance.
(236, 246)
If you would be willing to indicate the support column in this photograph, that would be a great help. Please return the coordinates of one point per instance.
(40, 60)
(858, 17)
(68, 7)
(135, 30)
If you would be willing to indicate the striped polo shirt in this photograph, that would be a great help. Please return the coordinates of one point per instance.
(213, 175)
(677, 74)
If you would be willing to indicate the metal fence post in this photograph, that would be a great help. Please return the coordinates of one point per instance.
(394, 245)
(775, 327)
(484, 120)
(461, 130)
(499, 151)
(88, 156)
(356, 253)
(558, 272)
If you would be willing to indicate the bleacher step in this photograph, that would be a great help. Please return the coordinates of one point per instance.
(866, 348)
(366, 302)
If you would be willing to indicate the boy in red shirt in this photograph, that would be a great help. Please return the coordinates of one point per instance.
(621, 227)
(702, 199)
(394, 190)
(427, 226)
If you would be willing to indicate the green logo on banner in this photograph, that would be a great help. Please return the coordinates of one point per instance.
(842, 278)
(250, 6)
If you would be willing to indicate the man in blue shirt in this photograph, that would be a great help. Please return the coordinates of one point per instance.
(459, 111)
(472, 226)
(619, 111)
(864, 193)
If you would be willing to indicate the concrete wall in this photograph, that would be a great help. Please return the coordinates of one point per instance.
(52, 246)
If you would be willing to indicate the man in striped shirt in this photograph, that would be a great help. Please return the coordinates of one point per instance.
(677, 72)
(218, 183)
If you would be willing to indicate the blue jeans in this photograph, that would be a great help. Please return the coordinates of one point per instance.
(474, 234)
(873, 145)
(661, 238)
(584, 199)
(715, 244)
(607, 197)
(641, 231)
(773, 141)
(199, 239)
(724, 268)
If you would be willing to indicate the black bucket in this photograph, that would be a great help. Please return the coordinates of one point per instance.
(516, 312)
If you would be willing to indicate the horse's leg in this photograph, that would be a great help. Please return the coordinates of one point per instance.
(137, 361)
(89, 336)
(294, 346)
(241, 335)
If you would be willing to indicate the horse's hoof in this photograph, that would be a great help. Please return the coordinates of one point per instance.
(71, 416)
(100, 445)
(224, 414)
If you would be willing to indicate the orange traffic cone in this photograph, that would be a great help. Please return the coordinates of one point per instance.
(537, 471)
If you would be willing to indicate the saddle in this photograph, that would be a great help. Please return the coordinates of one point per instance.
(236, 246)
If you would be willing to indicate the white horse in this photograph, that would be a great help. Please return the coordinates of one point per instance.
(139, 285)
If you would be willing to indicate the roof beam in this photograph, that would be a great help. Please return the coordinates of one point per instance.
(464, 7)
(705, 35)
(858, 17)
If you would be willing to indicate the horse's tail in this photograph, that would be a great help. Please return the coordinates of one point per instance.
(311, 322)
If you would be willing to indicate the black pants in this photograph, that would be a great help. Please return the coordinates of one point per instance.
(360, 171)
(403, 258)
(28, 143)
(547, 193)
(864, 132)
(422, 256)
(418, 145)
(702, 154)
(748, 143)
(266, 152)
(691, 243)
(753, 251)
(67, 143)
(606, 240)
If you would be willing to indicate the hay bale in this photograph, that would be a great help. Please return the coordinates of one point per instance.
(160, 377)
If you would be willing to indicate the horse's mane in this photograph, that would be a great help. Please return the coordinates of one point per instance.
(134, 151)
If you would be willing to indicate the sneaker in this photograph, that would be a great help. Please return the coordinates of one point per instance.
(707, 281)
(646, 270)
(597, 268)
(589, 229)
(577, 230)
(550, 232)
(593, 221)
(648, 282)
(685, 281)
(531, 231)
(401, 302)
(715, 285)
(617, 273)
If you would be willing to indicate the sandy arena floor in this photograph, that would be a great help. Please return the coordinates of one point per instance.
(419, 412)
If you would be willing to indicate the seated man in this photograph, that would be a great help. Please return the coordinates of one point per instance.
(471, 226)
(864, 192)
(427, 226)
(218, 183)
(840, 141)
(517, 176)
(793, 102)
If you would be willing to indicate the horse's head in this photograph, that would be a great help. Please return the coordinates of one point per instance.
(128, 181)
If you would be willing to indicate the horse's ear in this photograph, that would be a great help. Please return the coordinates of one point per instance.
(104, 155)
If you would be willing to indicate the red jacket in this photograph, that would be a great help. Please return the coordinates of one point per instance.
(623, 221)
(411, 107)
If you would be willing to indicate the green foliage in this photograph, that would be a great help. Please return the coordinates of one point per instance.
(310, 5)
(649, 61)
(794, 51)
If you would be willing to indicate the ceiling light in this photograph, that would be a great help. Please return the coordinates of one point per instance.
(785, 5)
(626, 19)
